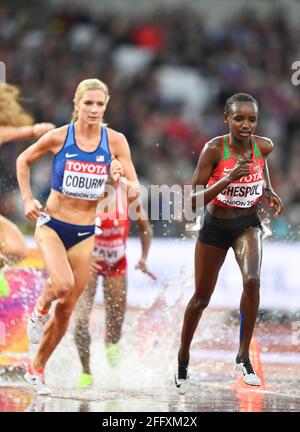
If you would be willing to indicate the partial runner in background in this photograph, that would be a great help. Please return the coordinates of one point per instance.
(110, 262)
(15, 125)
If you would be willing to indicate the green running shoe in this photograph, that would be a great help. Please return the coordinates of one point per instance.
(85, 381)
(113, 354)
(4, 287)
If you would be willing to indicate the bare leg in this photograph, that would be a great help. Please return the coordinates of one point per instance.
(248, 252)
(208, 261)
(115, 306)
(61, 279)
(79, 260)
(82, 319)
(12, 244)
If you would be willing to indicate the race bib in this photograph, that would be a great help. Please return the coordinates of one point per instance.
(241, 195)
(110, 254)
(84, 180)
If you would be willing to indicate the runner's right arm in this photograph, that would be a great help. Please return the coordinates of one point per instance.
(207, 161)
(50, 142)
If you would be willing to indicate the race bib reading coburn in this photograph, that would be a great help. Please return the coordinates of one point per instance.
(84, 180)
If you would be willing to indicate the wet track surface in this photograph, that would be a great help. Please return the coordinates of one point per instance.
(143, 382)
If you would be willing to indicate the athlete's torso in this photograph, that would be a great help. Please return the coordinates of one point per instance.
(80, 174)
(242, 195)
(78, 179)
(110, 244)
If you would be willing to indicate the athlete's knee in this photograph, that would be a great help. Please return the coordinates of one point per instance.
(15, 252)
(17, 255)
(200, 303)
(251, 283)
(64, 288)
(22, 252)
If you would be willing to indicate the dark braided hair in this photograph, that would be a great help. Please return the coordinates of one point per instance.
(238, 97)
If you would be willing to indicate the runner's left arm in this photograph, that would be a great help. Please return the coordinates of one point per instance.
(266, 146)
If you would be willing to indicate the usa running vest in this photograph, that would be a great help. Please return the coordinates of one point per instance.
(110, 244)
(79, 174)
(246, 191)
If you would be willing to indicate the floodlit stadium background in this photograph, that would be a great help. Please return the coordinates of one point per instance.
(170, 66)
(170, 69)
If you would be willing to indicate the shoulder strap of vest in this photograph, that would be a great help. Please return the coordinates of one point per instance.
(70, 137)
(226, 151)
(256, 151)
(104, 140)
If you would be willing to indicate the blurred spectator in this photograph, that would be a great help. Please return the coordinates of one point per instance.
(170, 75)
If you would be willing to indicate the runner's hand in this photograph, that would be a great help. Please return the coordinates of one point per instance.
(96, 266)
(241, 169)
(275, 201)
(116, 169)
(33, 209)
(141, 265)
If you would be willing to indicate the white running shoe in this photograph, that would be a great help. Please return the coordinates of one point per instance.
(181, 384)
(37, 380)
(181, 378)
(246, 368)
(35, 326)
